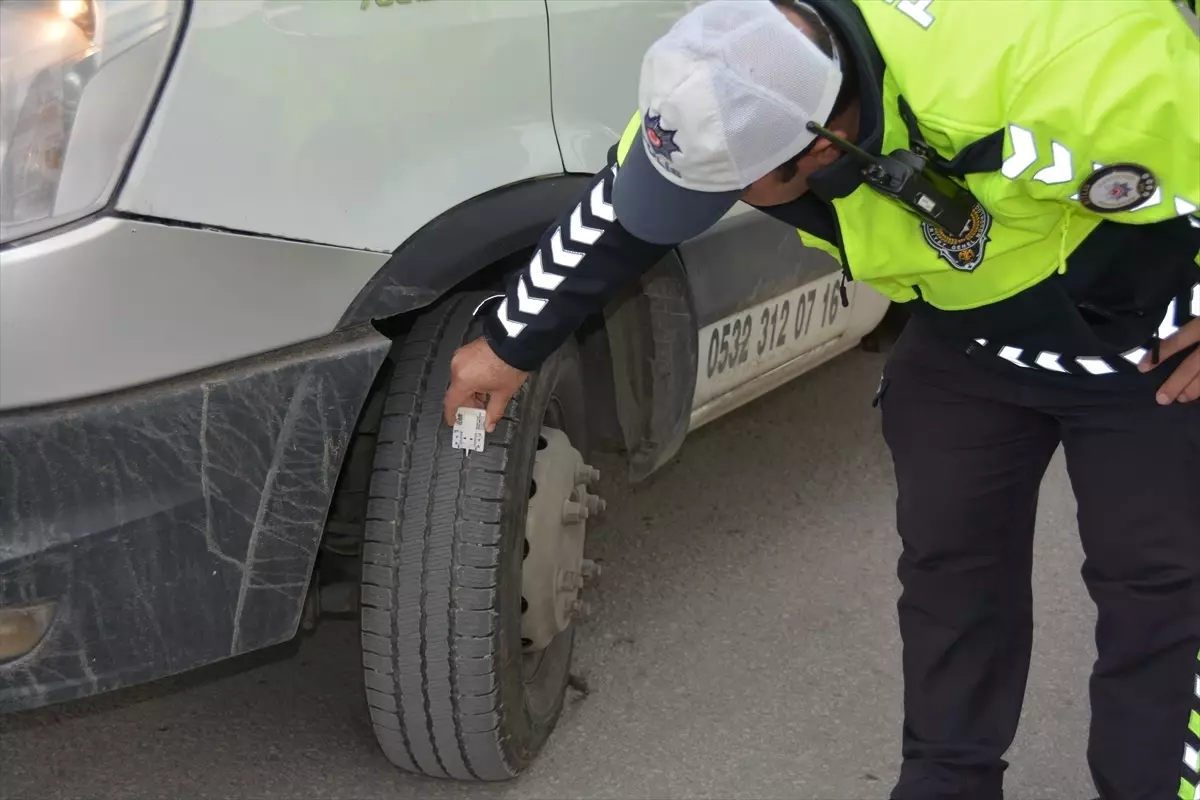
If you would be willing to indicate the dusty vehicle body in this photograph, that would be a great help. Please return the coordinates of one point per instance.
(241, 241)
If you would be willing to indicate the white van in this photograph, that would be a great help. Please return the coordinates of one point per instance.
(241, 240)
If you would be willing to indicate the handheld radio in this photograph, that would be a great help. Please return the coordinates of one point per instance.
(908, 178)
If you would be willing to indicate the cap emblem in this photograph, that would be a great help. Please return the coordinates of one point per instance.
(661, 140)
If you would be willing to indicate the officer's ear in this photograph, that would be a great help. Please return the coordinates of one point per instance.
(823, 151)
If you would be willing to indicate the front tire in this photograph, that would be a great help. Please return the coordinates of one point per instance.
(450, 690)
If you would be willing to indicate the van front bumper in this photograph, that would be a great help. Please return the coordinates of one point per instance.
(173, 525)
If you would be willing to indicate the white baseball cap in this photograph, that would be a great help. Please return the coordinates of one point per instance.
(725, 97)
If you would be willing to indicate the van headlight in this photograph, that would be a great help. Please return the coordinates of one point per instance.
(77, 78)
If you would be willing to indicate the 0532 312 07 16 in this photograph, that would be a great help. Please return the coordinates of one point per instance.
(769, 334)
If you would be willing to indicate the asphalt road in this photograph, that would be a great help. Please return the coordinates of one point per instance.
(742, 644)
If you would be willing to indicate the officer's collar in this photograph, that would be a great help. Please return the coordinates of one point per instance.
(843, 176)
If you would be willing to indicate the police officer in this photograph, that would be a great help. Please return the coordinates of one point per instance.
(1040, 224)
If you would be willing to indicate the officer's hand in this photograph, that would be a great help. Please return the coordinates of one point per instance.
(1184, 384)
(477, 372)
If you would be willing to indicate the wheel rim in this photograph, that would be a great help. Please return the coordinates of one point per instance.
(553, 563)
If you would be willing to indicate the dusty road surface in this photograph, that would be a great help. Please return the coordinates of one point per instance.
(742, 644)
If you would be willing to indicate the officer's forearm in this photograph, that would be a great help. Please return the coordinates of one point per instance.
(581, 262)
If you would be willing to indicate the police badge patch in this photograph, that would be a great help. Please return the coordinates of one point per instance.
(1117, 187)
(965, 251)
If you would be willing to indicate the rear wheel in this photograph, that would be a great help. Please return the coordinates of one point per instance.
(473, 563)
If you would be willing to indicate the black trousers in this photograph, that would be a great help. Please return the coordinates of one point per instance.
(970, 446)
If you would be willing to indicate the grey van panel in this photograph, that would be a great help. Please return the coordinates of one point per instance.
(746, 258)
(461, 242)
(118, 303)
(346, 123)
(596, 50)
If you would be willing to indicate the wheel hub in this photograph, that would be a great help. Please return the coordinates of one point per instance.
(554, 569)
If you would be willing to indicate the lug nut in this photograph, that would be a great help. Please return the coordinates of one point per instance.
(591, 570)
(573, 512)
(569, 581)
(586, 474)
(581, 609)
(595, 503)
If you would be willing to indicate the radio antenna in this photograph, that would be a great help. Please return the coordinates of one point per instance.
(849, 148)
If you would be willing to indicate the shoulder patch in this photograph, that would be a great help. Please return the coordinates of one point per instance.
(1117, 187)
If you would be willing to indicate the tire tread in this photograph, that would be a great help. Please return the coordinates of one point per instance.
(431, 564)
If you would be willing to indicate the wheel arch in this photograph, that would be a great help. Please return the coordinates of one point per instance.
(640, 353)
(460, 243)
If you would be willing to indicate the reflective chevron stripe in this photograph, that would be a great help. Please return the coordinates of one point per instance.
(1179, 311)
(525, 303)
(546, 281)
(565, 254)
(581, 232)
(1135, 355)
(1025, 154)
(1061, 171)
(511, 327)
(561, 255)
(1095, 365)
(1183, 207)
(601, 207)
(1048, 360)
(1167, 327)
(1189, 781)
(1013, 355)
